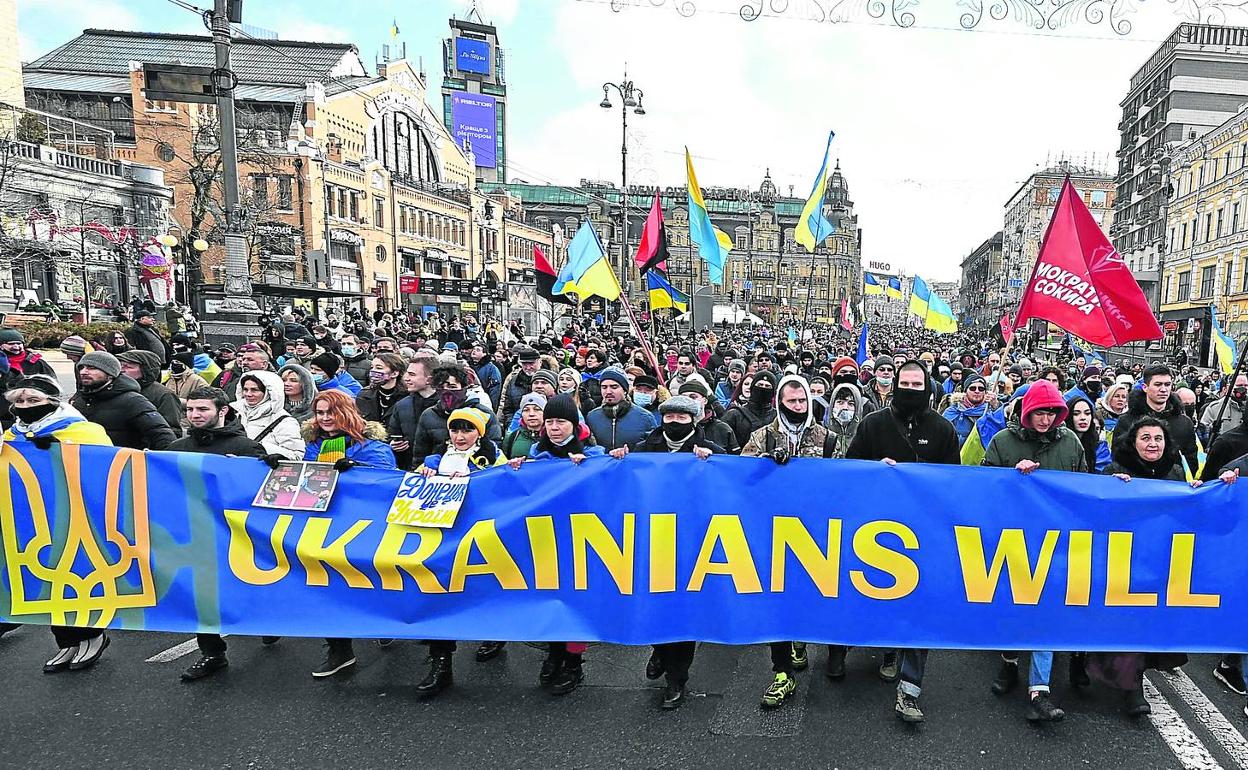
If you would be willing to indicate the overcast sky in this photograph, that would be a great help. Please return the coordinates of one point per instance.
(936, 126)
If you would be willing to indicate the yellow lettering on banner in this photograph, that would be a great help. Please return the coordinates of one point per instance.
(662, 553)
(823, 568)
(902, 568)
(390, 558)
(498, 562)
(588, 532)
(1118, 580)
(980, 581)
(242, 552)
(315, 553)
(1179, 587)
(1079, 569)
(738, 562)
(545, 552)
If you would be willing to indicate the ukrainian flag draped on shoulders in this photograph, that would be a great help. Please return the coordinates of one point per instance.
(587, 272)
(713, 243)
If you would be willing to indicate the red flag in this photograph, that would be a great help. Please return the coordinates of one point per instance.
(1082, 284)
(1007, 329)
(652, 251)
(847, 321)
(546, 276)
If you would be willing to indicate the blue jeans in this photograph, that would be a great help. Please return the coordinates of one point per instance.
(913, 664)
(1041, 669)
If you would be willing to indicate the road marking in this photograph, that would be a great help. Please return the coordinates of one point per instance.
(175, 652)
(1190, 752)
(1231, 740)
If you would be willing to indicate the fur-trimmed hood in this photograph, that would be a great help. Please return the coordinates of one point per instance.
(372, 430)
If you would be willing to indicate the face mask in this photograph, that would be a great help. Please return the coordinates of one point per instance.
(349, 350)
(451, 399)
(909, 403)
(1093, 388)
(1239, 394)
(319, 378)
(677, 431)
(32, 414)
(794, 418)
(643, 399)
(378, 375)
(845, 378)
(844, 416)
(760, 397)
(885, 382)
(177, 367)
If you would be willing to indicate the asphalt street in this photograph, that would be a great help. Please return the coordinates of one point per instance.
(266, 711)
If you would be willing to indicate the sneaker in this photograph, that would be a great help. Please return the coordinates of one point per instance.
(1007, 677)
(1135, 703)
(673, 697)
(1079, 670)
(907, 708)
(782, 687)
(61, 660)
(335, 661)
(384, 642)
(1043, 710)
(798, 656)
(550, 669)
(1231, 676)
(836, 661)
(269, 641)
(568, 678)
(654, 666)
(205, 666)
(489, 651)
(89, 652)
(890, 668)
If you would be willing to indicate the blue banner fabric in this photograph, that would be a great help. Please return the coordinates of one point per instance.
(651, 548)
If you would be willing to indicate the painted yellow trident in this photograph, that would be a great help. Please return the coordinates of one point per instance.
(70, 598)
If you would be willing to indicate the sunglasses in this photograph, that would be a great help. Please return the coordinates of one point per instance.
(976, 389)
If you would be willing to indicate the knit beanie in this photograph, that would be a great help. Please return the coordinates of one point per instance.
(11, 335)
(561, 407)
(546, 375)
(474, 417)
(842, 363)
(535, 399)
(102, 360)
(42, 383)
(617, 376)
(682, 405)
(326, 362)
(74, 346)
(737, 364)
(695, 385)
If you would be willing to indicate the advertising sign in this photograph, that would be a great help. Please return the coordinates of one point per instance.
(472, 118)
(472, 56)
(408, 284)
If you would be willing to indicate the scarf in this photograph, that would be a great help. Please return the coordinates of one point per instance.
(616, 411)
(675, 446)
(47, 425)
(457, 461)
(792, 433)
(332, 449)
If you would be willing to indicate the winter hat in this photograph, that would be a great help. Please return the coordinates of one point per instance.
(868, 364)
(973, 376)
(1015, 369)
(187, 358)
(102, 360)
(1025, 363)
(180, 339)
(695, 385)
(536, 399)
(575, 375)
(737, 364)
(682, 405)
(11, 335)
(310, 341)
(144, 313)
(326, 362)
(1091, 370)
(73, 346)
(561, 407)
(1043, 395)
(841, 363)
(474, 417)
(617, 376)
(885, 361)
(42, 383)
(526, 353)
(546, 375)
(645, 381)
(450, 346)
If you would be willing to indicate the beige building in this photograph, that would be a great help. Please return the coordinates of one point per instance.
(1206, 256)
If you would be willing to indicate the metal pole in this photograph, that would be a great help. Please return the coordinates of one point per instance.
(237, 283)
(623, 184)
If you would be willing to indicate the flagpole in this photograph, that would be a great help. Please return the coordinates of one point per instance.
(641, 337)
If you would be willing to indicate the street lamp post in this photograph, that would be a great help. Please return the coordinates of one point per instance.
(630, 98)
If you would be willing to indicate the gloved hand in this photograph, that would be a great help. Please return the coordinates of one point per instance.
(271, 460)
(344, 464)
(780, 456)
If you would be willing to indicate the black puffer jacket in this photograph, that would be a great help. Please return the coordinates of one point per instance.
(1228, 448)
(1182, 429)
(128, 418)
(165, 400)
(431, 430)
(743, 420)
(229, 439)
(656, 443)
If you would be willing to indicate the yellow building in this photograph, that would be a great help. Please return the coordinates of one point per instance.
(1206, 257)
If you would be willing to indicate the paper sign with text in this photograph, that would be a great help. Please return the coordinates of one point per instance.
(428, 502)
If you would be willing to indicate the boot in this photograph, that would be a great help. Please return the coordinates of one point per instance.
(1079, 670)
(836, 661)
(439, 677)
(569, 677)
(551, 667)
(1043, 709)
(654, 666)
(890, 668)
(1135, 704)
(489, 651)
(1007, 677)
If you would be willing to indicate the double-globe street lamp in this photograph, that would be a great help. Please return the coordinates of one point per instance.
(630, 98)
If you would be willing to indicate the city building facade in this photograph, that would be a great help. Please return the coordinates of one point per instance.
(980, 291)
(474, 95)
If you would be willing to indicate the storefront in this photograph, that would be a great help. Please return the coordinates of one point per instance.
(275, 245)
(345, 274)
(1187, 327)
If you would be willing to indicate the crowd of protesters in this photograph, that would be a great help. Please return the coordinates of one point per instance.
(459, 394)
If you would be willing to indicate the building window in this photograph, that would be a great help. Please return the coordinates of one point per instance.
(1170, 246)
(1183, 240)
(1243, 275)
(285, 197)
(1165, 292)
(1228, 280)
(379, 212)
(431, 266)
(381, 253)
(1207, 275)
(1185, 286)
(355, 207)
(1208, 227)
(259, 190)
(1221, 213)
(458, 270)
(1235, 218)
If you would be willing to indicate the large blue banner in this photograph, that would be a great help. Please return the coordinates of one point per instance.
(472, 55)
(651, 548)
(473, 119)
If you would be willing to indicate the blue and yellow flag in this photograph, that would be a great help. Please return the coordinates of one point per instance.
(1223, 345)
(664, 294)
(587, 272)
(935, 312)
(870, 285)
(713, 243)
(812, 226)
(893, 288)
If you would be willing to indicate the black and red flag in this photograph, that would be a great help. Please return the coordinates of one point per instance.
(652, 251)
(546, 277)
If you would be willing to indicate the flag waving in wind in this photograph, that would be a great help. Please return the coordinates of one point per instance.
(587, 273)
(870, 285)
(713, 243)
(546, 278)
(927, 305)
(1222, 344)
(664, 294)
(652, 251)
(1082, 284)
(813, 227)
(1088, 356)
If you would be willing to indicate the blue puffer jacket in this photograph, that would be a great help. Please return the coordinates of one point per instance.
(371, 452)
(629, 429)
(335, 383)
(590, 451)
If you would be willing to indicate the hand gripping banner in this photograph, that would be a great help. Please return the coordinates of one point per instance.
(651, 548)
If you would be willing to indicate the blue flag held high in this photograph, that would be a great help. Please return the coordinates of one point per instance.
(862, 344)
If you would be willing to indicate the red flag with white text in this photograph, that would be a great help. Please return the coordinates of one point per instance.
(1007, 329)
(1082, 284)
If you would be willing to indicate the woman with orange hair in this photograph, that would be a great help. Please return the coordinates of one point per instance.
(338, 434)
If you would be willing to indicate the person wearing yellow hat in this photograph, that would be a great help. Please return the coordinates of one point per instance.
(467, 450)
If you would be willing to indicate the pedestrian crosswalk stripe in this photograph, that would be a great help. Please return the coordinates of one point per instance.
(1231, 739)
(1187, 748)
(175, 652)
